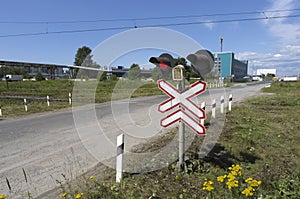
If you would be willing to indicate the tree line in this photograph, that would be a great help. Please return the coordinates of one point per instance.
(83, 57)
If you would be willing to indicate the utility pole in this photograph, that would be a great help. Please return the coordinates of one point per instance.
(221, 40)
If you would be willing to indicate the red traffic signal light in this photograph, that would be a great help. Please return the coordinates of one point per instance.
(162, 65)
(164, 61)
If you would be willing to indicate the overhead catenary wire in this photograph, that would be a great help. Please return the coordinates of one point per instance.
(150, 18)
(151, 25)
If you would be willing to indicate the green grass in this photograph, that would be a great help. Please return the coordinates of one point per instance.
(15, 107)
(261, 135)
(58, 91)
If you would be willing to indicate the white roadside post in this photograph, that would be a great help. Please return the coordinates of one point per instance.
(119, 162)
(203, 108)
(213, 108)
(0, 110)
(25, 105)
(48, 100)
(222, 104)
(70, 98)
(230, 102)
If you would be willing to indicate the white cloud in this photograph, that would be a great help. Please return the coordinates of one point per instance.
(209, 25)
(292, 50)
(278, 55)
(285, 56)
(286, 61)
(285, 29)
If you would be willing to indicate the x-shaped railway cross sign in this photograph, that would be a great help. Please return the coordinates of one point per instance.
(182, 100)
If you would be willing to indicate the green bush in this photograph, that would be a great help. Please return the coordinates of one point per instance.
(39, 76)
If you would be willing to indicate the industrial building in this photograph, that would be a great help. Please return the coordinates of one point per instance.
(265, 72)
(55, 71)
(229, 67)
(51, 71)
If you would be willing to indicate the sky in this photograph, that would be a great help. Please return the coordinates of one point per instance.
(250, 28)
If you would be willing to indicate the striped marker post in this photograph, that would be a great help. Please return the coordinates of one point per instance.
(203, 108)
(230, 102)
(222, 104)
(25, 105)
(213, 108)
(48, 100)
(120, 151)
(70, 98)
(0, 110)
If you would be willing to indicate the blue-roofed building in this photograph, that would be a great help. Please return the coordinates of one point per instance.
(229, 67)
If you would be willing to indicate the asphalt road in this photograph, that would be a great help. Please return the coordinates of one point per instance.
(36, 150)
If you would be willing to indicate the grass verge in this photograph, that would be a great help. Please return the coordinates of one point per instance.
(11, 99)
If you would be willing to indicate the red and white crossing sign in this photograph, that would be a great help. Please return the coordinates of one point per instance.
(187, 109)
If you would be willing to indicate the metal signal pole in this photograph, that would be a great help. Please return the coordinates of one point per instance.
(181, 87)
(178, 75)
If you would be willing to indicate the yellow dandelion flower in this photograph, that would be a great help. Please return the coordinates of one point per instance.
(248, 191)
(92, 178)
(208, 188)
(176, 177)
(79, 195)
(230, 177)
(236, 170)
(207, 185)
(238, 167)
(2, 196)
(221, 178)
(252, 182)
(259, 182)
(234, 173)
(63, 195)
(249, 180)
(232, 184)
(255, 183)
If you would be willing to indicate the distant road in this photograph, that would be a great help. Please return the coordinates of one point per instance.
(47, 145)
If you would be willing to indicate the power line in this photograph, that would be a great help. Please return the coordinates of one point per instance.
(153, 25)
(67, 31)
(149, 18)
